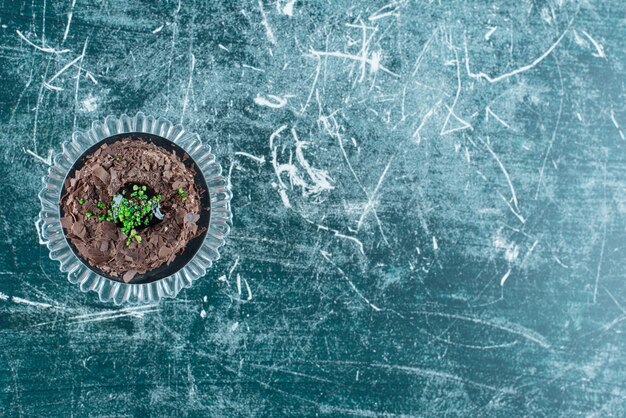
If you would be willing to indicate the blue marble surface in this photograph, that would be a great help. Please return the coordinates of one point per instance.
(429, 203)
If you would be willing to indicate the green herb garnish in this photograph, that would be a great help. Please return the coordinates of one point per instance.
(133, 211)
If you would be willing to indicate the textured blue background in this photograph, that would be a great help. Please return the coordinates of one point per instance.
(429, 203)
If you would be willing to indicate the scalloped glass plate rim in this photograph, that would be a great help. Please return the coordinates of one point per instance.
(52, 235)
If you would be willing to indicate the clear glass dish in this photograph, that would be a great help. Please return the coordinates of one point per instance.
(109, 290)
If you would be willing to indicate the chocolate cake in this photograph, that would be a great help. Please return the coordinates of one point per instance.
(129, 170)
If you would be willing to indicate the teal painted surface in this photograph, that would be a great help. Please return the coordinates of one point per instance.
(436, 226)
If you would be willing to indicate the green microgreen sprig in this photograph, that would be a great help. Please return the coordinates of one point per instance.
(133, 211)
(182, 193)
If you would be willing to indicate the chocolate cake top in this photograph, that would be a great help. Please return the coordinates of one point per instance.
(90, 192)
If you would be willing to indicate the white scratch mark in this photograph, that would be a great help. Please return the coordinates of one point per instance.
(320, 178)
(288, 8)
(3, 296)
(51, 87)
(261, 160)
(370, 202)
(284, 198)
(515, 207)
(621, 133)
(121, 315)
(69, 20)
(268, 29)
(599, 267)
(599, 48)
(490, 32)
(77, 85)
(373, 61)
(420, 57)
(252, 68)
(506, 276)
(327, 257)
(337, 234)
(510, 73)
(435, 244)
(248, 291)
(38, 228)
(497, 324)
(275, 102)
(189, 85)
(614, 322)
(488, 112)
(21, 301)
(464, 124)
(559, 262)
(317, 74)
(282, 186)
(65, 67)
(35, 122)
(232, 269)
(41, 48)
(47, 161)
(390, 9)
(135, 310)
(334, 131)
(159, 29)
(223, 47)
(249, 297)
(441, 375)
(416, 135)
(552, 139)
(428, 373)
(91, 77)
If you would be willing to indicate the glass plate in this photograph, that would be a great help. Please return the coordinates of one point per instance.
(52, 235)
